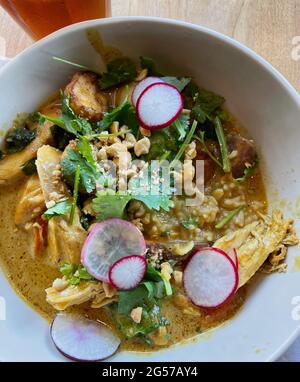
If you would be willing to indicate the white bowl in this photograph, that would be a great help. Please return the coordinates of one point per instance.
(261, 99)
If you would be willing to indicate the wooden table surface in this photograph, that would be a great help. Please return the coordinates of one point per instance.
(269, 27)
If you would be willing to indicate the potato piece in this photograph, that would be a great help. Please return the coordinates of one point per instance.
(86, 98)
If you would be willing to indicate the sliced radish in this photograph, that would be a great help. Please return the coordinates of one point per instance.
(107, 243)
(210, 278)
(81, 339)
(127, 272)
(141, 86)
(233, 255)
(158, 106)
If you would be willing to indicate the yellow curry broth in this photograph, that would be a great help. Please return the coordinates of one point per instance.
(30, 277)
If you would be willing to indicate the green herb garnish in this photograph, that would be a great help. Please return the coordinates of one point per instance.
(205, 104)
(223, 145)
(248, 172)
(75, 194)
(60, 208)
(18, 138)
(189, 223)
(185, 143)
(88, 173)
(75, 273)
(229, 217)
(119, 71)
(201, 139)
(182, 124)
(29, 168)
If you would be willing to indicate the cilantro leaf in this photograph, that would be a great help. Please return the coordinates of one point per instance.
(75, 273)
(88, 173)
(86, 151)
(149, 63)
(68, 120)
(179, 82)
(182, 124)
(60, 208)
(67, 269)
(124, 114)
(206, 103)
(109, 204)
(118, 71)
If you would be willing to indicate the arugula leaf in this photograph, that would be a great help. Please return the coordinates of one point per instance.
(124, 114)
(60, 208)
(179, 82)
(18, 138)
(189, 222)
(149, 63)
(229, 217)
(88, 174)
(248, 172)
(182, 123)
(29, 168)
(119, 71)
(206, 103)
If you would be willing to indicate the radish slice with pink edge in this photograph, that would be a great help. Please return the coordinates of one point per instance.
(141, 86)
(81, 339)
(210, 278)
(127, 272)
(158, 106)
(233, 255)
(107, 243)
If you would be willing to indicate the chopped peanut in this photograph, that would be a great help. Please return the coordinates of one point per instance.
(142, 147)
(136, 314)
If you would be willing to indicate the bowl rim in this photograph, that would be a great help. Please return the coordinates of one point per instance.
(249, 53)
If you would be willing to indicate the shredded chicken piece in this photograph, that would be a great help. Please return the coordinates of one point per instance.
(160, 336)
(62, 298)
(31, 204)
(258, 241)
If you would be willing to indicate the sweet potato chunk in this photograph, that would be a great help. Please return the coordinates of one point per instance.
(86, 98)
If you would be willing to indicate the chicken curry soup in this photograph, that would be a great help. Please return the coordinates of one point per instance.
(100, 247)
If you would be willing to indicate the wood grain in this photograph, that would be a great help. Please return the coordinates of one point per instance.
(266, 26)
